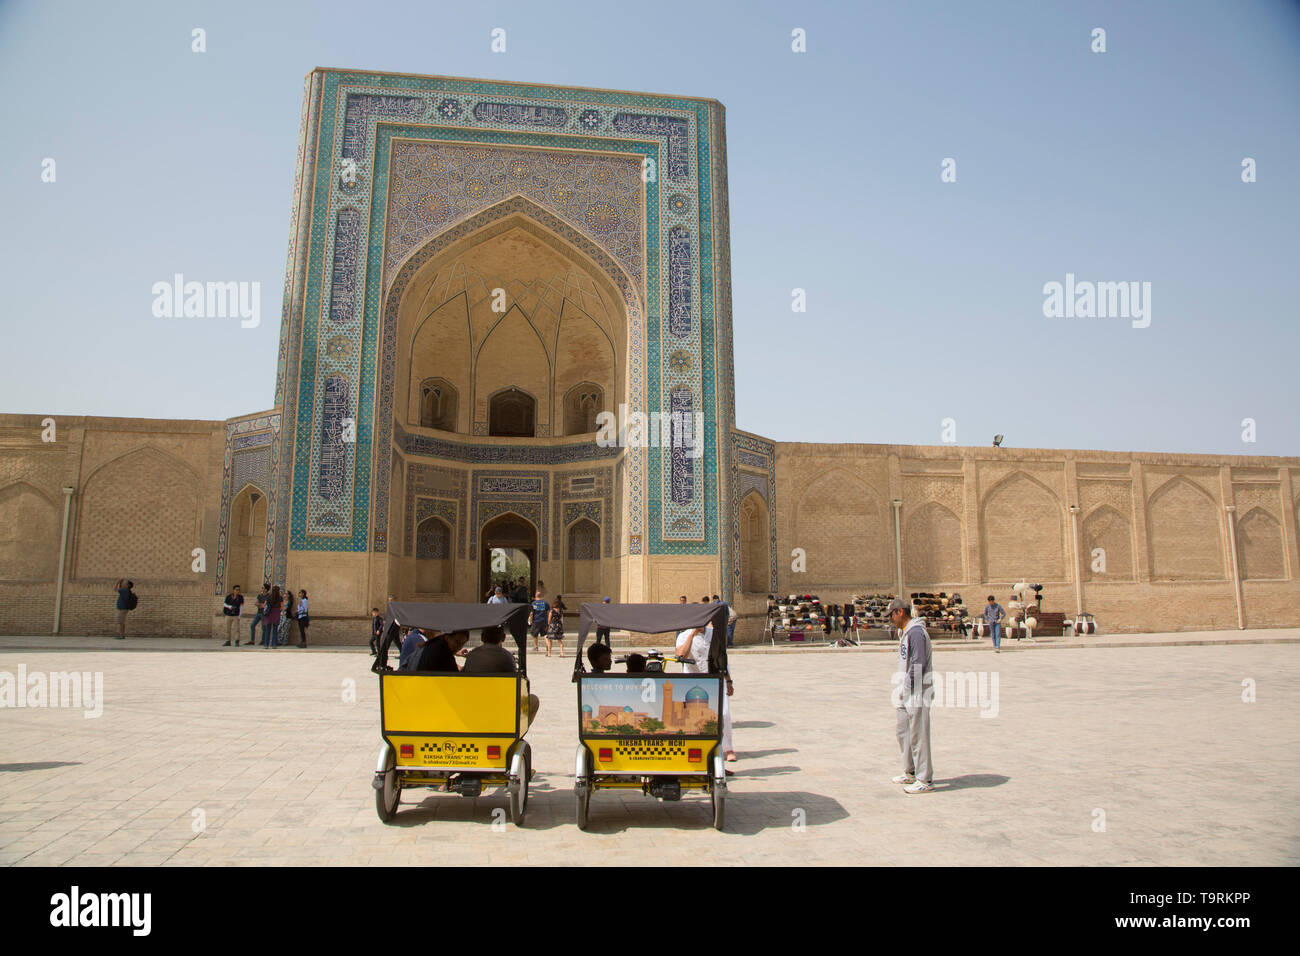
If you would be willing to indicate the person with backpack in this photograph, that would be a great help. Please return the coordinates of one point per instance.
(232, 609)
(126, 603)
(538, 617)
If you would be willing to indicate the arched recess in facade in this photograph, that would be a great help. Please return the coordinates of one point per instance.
(1023, 526)
(110, 540)
(246, 544)
(755, 544)
(434, 305)
(582, 558)
(29, 532)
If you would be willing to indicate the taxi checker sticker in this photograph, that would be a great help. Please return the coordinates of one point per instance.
(443, 753)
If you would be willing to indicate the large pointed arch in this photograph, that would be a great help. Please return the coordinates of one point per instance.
(1184, 533)
(29, 533)
(1260, 550)
(1023, 528)
(420, 279)
(116, 536)
(840, 521)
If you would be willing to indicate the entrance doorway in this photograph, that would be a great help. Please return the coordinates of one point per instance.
(511, 537)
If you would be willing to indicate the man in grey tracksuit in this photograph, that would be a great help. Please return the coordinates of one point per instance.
(912, 697)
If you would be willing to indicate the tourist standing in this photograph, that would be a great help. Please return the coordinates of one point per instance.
(401, 636)
(602, 633)
(261, 613)
(538, 617)
(302, 618)
(271, 620)
(993, 616)
(692, 649)
(287, 614)
(555, 628)
(497, 597)
(733, 617)
(915, 664)
(126, 602)
(232, 609)
(376, 631)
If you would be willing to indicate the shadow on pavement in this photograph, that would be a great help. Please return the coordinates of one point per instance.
(768, 771)
(747, 814)
(971, 781)
(755, 754)
(39, 765)
(751, 724)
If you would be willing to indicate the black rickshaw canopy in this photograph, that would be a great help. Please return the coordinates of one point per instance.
(445, 618)
(657, 619)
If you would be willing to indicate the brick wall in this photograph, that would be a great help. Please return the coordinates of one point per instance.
(1154, 533)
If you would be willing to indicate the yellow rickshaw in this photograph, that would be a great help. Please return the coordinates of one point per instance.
(652, 731)
(457, 733)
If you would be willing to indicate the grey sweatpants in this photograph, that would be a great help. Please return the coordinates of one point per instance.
(914, 742)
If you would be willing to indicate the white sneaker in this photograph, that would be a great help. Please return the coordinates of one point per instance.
(919, 787)
(904, 778)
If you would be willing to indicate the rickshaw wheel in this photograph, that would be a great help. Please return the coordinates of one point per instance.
(387, 799)
(582, 790)
(718, 791)
(518, 789)
(584, 804)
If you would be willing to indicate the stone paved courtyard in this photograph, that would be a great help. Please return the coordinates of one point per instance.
(262, 749)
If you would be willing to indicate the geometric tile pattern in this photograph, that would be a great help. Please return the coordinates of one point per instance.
(251, 457)
(363, 118)
(530, 504)
(433, 185)
(434, 490)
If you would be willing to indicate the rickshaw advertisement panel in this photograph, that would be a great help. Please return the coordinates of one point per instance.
(644, 706)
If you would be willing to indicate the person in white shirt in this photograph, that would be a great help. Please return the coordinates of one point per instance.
(498, 598)
(693, 650)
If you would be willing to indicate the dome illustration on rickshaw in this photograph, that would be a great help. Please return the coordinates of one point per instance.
(586, 709)
(697, 693)
(627, 710)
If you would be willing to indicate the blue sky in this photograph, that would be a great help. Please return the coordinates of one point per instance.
(924, 298)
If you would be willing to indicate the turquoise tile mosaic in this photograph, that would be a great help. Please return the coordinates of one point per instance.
(392, 164)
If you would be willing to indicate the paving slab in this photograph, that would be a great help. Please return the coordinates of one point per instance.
(1141, 755)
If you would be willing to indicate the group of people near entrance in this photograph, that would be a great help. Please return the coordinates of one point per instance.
(277, 610)
(544, 619)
